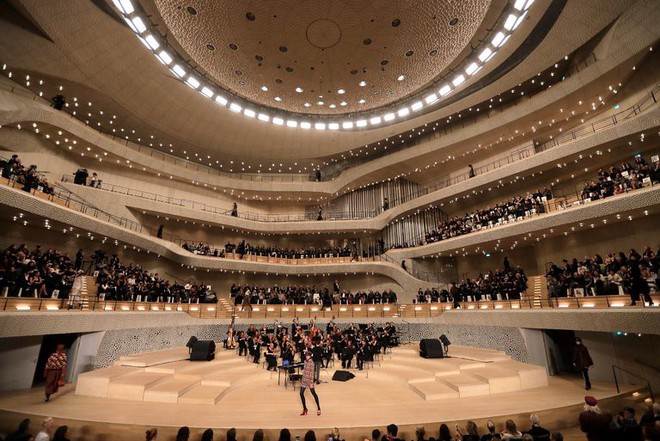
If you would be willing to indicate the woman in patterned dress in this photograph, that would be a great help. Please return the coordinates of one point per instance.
(307, 381)
(55, 370)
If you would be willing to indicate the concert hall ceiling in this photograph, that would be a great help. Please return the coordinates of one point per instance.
(287, 80)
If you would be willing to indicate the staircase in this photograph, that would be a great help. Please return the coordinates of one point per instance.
(88, 290)
(537, 291)
(225, 305)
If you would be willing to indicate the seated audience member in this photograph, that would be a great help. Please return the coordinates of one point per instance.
(375, 435)
(471, 435)
(61, 434)
(511, 432)
(22, 432)
(207, 435)
(420, 434)
(231, 434)
(310, 436)
(593, 422)
(538, 433)
(151, 435)
(45, 432)
(491, 435)
(392, 432)
(444, 433)
(285, 435)
(258, 435)
(556, 436)
(183, 434)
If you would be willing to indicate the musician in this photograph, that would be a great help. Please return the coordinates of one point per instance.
(254, 345)
(271, 357)
(317, 356)
(362, 354)
(347, 355)
(307, 381)
(242, 344)
(327, 354)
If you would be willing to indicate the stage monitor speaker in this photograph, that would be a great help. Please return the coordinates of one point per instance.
(430, 348)
(203, 350)
(445, 341)
(342, 376)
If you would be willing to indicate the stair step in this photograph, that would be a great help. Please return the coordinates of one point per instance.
(203, 394)
(434, 390)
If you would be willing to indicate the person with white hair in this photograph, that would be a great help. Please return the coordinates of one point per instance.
(44, 433)
(593, 422)
(537, 432)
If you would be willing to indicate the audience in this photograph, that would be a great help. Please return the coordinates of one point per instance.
(61, 434)
(244, 248)
(633, 273)
(207, 435)
(231, 434)
(306, 295)
(285, 435)
(537, 432)
(183, 434)
(616, 180)
(23, 431)
(492, 434)
(511, 431)
(29, 177)
(44, 433)
(151, 435)
(258, 435)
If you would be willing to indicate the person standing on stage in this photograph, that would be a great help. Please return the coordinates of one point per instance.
(582, 360)
(307, 381)
(55, 371)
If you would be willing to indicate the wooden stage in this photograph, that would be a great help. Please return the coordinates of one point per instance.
(163, 389)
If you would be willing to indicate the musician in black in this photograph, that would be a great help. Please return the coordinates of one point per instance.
(242, 344)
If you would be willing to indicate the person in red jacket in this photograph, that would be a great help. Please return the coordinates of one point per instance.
(582, 360)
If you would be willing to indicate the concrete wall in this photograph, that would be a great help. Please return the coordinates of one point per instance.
(18, 359)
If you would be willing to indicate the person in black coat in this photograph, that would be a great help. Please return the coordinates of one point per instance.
(582, 360)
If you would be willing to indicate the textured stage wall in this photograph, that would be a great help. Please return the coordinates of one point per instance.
(116, 343)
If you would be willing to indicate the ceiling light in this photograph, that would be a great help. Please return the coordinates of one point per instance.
(389, 116)
(403, 112)
(517, 23)
(278, 121)
(278, 99)
(264, 88)
(519, 4)
(361, 123)
(343, 103)
(347, 125)
(292, 123)
(458, 80)
(299, 89)
(319, 126)
(263, 117)
(375, 120)
(305, 125)
(362, 83)
(401, 78)
(362, 101)
(152, 42)
(124, 6)
(332, 106)
(320, 103)
(165, 57)
(207, 92)
(431, 98)
(178, 71)
(193, 82)
(529, 3)
(444, 90)
(307, 105)
(510, 21)
(498, 39)
(333, 126)
(485, 54)
(235, 107)
(472, 68)
(139, 25)
(416, 106)
(341, 91)
(221, 100)
(249, 113)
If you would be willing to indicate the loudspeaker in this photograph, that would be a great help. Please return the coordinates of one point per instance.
(342, 376)
(203, 350)
(445, 341)
(191, 342)
(430, 348)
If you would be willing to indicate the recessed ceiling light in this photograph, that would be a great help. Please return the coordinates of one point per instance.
(308, 105)
(278, 99)
(299, 89)
(343, 103)
(362, 101)
(401, 78)
(264, 88)
(362, 83)
(332, 106)
(341, 91)
(320, 103)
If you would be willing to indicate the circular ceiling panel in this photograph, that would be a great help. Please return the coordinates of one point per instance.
(323, 57)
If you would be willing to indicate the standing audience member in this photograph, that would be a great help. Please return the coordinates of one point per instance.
(44, 433)
(471, 171)
(54, 371)
(582, 360)
(159, 233)
(593, 422)
(234, 210)
(151, 435)
(61, 434)
(183, 434)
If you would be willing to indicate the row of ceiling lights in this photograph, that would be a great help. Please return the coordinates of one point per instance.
(157, 45)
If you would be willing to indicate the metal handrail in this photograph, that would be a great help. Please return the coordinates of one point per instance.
(639, 377)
